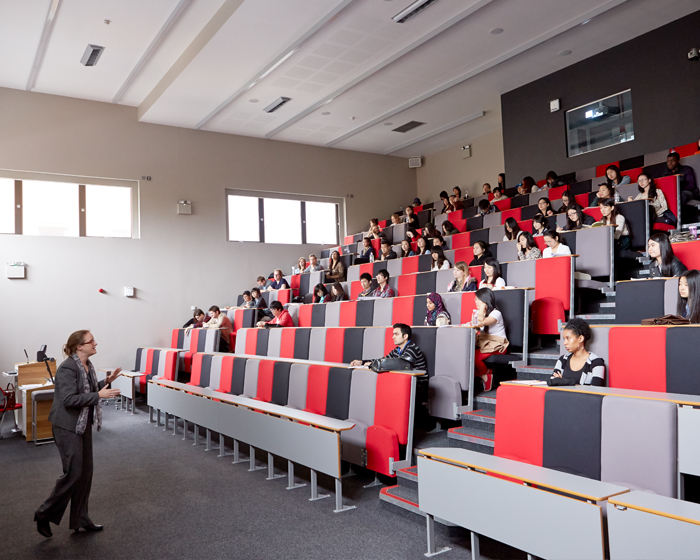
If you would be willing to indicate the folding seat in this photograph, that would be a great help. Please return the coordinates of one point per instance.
(383, 312)
(461, 225)
(450, 374)
(171, 363)
(460, 240)
(266, 371)
(406, 284)
(338, 393)
(496, 234)
(317, 345)
(241, 337)
(689, 254)
(453, 303)
(503, 205)
(141, 360)
(507, 251)
(373, 342)
(180, 339)
(152, 359)
(682, 357)
(521, 274)
(332, 316)
(261, 342)
(443, 278)
(409, 265)
(426, 282)
(301, 343)
(315, 278)
(352, 349)
(466, 255)
(271, 296)
(637, 358)
(425, 338)
(334, 344)
(467, 308)
(306, 314)
(296, 394)
(639, 445)
(447, 242)
(355, 290)
(519, 201)
(492, 220)
(284, 296)
(317, 389)
(194, 347)
(556, 193)
(600, 169)
(479, 235)
(304, 287)
(201, 370)
(215, 372)
(250, 383)
(477, 272)
(594, 213)
(274, 342)
(583, 199)
(477, 222)
(364, 314)
(376, 244)
(226, 378)
(425, 263)
(572, 433)
(671, 189)
(391, 421)
(395, 266)
(525, 225)
(520, 423)
(318, 315)
(294, 283)
(348, 239)
(208, 340)
(402, 310)
(529, 211)
(347, 313)
(242, 319)
(554, 279)
(594, 247)
(547, 313)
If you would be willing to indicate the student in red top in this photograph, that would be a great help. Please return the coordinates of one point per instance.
(281, 318)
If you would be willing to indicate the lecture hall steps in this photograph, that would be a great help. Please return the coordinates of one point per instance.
(605, 313)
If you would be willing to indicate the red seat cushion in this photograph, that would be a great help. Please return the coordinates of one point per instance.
(553, 279)
(637, 358)
(406, 286)
(546, 314)
(381, 444)
(687, 149)
(402, 310)
(335, 343)
(503, 205)
(514, 213)
(348, 313)
(317, 389)
(460, 240)
(409, 265)
(392, 403)
(520, 423)
(266, 371)
(689, 253)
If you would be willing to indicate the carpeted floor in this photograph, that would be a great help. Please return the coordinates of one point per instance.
(161, 497)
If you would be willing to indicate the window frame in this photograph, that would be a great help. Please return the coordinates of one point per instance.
(303, 198)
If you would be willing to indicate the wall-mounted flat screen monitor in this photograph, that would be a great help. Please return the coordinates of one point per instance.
(600, 124)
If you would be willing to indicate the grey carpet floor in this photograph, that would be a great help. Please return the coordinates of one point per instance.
(161, 497)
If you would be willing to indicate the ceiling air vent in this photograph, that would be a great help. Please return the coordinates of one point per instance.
(408, 126)
(413, 10)
(276, 104)
(91, 55)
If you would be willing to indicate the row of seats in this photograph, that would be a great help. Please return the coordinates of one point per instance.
(379, 404)
(155, 362)
(627, 441)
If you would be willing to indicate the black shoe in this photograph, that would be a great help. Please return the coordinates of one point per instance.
(44, 528)
(92, 527)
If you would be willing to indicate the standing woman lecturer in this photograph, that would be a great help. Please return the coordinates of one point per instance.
(76, 408)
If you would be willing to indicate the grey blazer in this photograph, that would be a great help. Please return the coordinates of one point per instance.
(67, 400)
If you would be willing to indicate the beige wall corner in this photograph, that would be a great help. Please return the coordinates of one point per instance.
(447, 169)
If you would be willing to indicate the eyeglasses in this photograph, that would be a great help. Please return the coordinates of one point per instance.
(88, 342)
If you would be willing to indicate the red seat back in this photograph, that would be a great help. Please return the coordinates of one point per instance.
(476, 272)
(266, 373)
(402, 310)
(556, 192)
(406, 286)
(520, 423)
(294, 284)
(348, 313)
(368, 268)
(582, 200)
(514, 213)
(468, 306)
(317, 389)
(287, 343)
(409, 265)
(553, 279)
(526, 225)
(594, 212)
(335, 343)
(669, 186)
(305, 312)
(418, 208)
(196, 374)
(465, 254)
(503, 205)
(251, 342)
(637, 358)
(600, 169)
(383, 223)
(194, 340)
(393, 403)
(689, 253)
(348, 239)
(461, 225)
(546, 314)
(173, 339)
(634, 173)
(355, 289)
(238, 319)
(377, 245)
(686, 150)
(389, 339)
(226, 374)
(539, 241)
(460, 240)
(284, 296)
(542, 183)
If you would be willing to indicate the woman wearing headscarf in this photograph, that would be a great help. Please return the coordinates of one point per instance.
(436, 315)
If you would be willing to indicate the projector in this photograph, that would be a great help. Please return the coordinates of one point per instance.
(597, 112)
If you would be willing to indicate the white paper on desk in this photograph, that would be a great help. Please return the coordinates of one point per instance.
(30, 386)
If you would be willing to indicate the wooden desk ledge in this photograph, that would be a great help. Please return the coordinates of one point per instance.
(542, 477)
(659, 505)
(315, 420)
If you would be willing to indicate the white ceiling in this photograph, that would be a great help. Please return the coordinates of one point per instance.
(347, 67)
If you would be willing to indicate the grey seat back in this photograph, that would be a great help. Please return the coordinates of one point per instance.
(317, 344)
(373, 343)
(298, 376)
(382, 312)
(332, 314)
(452, 350)
(250, 385)
(215, 372)
(274, 343)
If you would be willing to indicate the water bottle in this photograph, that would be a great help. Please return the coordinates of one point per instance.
(617, 198)
(475, 318)
(371, 257)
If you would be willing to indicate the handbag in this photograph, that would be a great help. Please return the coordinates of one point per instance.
(390, 364)
(666, 320)
(490, 344)
(9, 393)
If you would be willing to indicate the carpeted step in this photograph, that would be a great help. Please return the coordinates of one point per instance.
(484, 420)
(535, 373)
(486, 400)
(408, 478)
(546, 360)
(405, 499)
(474, 439)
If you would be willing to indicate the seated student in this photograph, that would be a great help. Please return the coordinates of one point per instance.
(530, 185)
(647, 189)
(221, 322)
(321, 294)
(406, 249)
(375, 233)
(262, 282)
(481, 253)
(448, 228)
(405, 349)
(553, 180)
(429, 231)
(485, 207)
(555, 248)
(387, 253)
(383, 290)
(545, 207)
(492, 272)
(279, 283)
(457, 192)
(614, 178)
(578, 366)
(366, 282)
(367, 253)
(576, 219)
(395, 219)
(422, 246)
(336, 268)
(539, 225)
(248, 301)
(338, 293)
(502, 181)
(612, 218)
(527, 249)
(197, 320)
(567, 199)
(512, 230)
(492, 338)
(522, 189)
(411, 218)
(486, 189)
(446, 205)
(438, 242)
(498, 195)
(411, 234)
(258, 300)
(417, 202)
(689, 292)
(463, 282)
(604, 192)
(664, 263)
(301, 266)
(281, 317)
(456, 204)
(373, 222)
(436, 315)
(439, 260)
(689, 188)
(314, 265)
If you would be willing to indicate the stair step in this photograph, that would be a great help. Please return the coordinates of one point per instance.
(408, 478)
(407, 500)
(534, 373)
(480, 420)
(533, 369)
(607, 304)
(481, 438)
(486, 401)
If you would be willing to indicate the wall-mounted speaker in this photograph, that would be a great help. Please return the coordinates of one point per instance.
(415, 162)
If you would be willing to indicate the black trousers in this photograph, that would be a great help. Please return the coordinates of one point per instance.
(74, 486)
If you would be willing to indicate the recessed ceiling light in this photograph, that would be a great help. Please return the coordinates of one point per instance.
(388, 123)
(326, 113)
(496, 31)
(564, 53)
(253, 100)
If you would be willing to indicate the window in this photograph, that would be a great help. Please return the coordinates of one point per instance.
(600, 124)
(107, 211)
(286, 219)
(50, 209)
(7, 205)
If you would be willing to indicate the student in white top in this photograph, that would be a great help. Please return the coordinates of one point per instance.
(492, 271)
(439, 260)
(612, 218)
(490, 321)
(555, 248)
(512, 230)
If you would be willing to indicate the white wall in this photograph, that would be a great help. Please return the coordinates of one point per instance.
(179, 261)
(444, 170)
